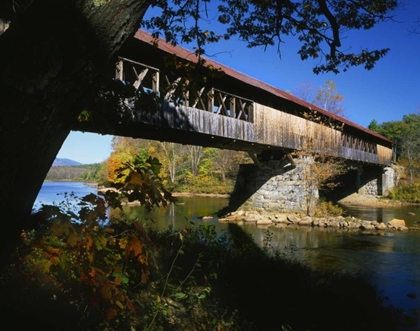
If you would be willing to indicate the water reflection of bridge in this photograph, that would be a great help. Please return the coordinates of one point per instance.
(231, 110)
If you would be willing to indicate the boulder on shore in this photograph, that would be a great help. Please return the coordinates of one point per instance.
(396, 223)
(381, 226)
(293, 219)
(307, 220)
(264, 221)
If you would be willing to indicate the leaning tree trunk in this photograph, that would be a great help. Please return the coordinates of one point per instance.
(52, 58)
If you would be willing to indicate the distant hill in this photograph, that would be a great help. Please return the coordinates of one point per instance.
(65, 162)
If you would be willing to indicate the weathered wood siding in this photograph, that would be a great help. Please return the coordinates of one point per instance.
(385, 155)
(274, 127)
(195, 120)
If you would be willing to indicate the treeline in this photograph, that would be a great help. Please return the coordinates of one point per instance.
(185, 168)
(406, 135)
(86, 172)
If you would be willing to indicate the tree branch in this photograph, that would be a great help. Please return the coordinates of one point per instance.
(334, 26)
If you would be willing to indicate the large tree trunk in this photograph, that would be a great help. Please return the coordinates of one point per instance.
(52, 59)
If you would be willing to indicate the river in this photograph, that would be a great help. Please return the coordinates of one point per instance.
(391, 260)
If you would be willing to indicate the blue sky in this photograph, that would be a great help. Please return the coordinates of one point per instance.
(385, 93)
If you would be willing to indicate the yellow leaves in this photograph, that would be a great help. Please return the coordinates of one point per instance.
(101, 242)
(72, 239)
(123, 243)
(43, 266)
(135, 245)
(73, 255)
(89, 241)
(119, 304)
(84, 116)
(61, 226)
(115, 162)
(90, 257)
(152, 150)
(135, 249)
(52, 257)
(136, 179)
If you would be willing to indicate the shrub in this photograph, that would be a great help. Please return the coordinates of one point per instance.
(406, 193)
(327, 208)
(197, 279)
(121, 275)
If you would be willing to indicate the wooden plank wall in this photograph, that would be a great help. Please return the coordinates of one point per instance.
(195, 120)
(274, 127)
(385, 155)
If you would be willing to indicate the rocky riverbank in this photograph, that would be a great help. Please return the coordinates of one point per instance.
(102, 190)
(295, 220)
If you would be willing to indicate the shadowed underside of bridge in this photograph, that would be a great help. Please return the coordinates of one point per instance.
(230, 111)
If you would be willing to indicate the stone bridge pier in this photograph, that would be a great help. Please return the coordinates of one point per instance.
(281, 185)
(377, 181)
(273, 185)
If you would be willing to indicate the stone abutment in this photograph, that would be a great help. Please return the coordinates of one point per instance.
(274, 185)
(286, 186)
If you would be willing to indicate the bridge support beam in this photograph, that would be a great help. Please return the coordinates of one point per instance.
(377, 181)
(273, 186)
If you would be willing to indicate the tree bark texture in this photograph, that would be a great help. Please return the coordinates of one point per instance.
(52, 59)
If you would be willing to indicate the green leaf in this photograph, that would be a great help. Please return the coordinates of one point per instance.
(180, 295)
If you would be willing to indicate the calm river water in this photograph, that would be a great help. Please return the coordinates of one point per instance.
(391, 260)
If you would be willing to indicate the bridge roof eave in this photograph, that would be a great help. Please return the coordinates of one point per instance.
(186, 54)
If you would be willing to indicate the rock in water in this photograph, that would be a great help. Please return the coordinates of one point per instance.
(396, 223)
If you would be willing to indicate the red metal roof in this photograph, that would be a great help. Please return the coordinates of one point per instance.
(184, 53)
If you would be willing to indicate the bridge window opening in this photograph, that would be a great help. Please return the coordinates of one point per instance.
(146, 79)
(358, 144)
(137, 74)
(230, 105)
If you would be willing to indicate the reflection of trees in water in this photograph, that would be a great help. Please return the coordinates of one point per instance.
(302, 237)
(391, 257)
(324, 248)
(178, 215)
(171, 210)
(385, 214)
